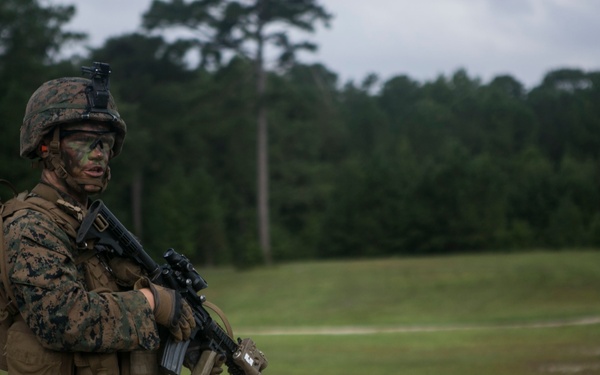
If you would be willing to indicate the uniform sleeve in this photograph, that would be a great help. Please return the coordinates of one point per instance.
(55, 303)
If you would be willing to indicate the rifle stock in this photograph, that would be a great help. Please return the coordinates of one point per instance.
(107, 233)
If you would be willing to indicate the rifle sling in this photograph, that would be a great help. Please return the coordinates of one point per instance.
(221, 315)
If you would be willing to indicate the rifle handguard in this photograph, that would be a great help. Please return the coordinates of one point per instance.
(221, 315)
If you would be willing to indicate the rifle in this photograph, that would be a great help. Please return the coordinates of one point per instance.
(102, 228)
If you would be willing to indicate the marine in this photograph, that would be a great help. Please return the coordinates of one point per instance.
(64, 308)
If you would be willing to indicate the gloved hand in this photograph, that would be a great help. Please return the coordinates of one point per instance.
(169, 309)
(125, 271)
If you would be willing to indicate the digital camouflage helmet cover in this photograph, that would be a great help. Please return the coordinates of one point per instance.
(70, 100)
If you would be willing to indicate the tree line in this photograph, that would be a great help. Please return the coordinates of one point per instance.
(356, 169)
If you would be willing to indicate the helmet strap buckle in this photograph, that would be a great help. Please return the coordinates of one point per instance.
(54, 146)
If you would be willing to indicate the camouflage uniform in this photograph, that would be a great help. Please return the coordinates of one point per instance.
(59, 311)
(74, 316)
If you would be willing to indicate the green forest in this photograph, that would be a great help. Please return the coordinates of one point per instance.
(336, 169)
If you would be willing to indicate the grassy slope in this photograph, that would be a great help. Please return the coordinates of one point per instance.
(475, 289)
(567, 350)
(490, 290)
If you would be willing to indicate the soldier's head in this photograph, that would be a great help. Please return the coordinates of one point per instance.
(73, 128)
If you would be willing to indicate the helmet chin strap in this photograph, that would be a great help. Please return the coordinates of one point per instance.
(55, 163)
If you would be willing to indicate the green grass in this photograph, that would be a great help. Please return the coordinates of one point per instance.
(491, 291)
(451, 290)
(488, 352)
(471, 304)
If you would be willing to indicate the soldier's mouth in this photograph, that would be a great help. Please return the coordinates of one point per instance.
(94, 172)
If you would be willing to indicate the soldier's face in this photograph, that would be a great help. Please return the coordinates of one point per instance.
(86, 149)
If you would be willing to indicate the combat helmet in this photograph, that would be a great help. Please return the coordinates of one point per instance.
(70, 100)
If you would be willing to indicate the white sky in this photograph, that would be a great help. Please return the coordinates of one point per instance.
(419, 38)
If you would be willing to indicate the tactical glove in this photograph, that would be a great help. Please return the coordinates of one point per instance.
(125, 271)
(169, 309)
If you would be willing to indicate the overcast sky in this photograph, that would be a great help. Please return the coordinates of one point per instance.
(420, 38)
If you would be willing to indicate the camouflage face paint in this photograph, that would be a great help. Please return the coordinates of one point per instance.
(84, 149)
(90, 139)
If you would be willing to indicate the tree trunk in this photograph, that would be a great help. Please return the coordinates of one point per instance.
(136, 203)
(262, 157)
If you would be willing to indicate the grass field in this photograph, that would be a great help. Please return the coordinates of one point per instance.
(532, 313)
(475, 314)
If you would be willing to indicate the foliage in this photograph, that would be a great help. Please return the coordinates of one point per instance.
(246, 29)
(31, 35)
(356, 170)
(242, 27)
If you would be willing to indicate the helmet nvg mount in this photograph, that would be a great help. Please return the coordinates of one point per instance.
(98, 92)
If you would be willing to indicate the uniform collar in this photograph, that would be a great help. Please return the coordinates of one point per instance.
(62, 200)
